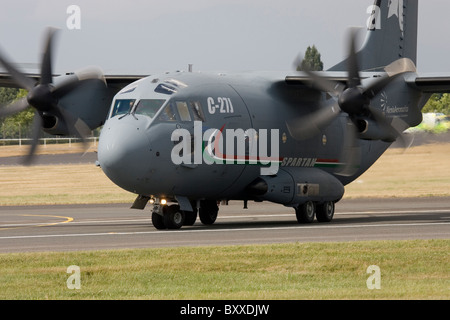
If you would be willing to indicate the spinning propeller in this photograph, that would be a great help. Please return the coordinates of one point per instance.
(354, 99)
(44, 96)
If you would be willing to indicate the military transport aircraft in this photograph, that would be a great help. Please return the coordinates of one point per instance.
(186, 141)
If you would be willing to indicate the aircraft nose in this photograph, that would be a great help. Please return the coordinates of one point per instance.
(123, 154)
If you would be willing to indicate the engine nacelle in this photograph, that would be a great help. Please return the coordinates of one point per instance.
(90, 101)
(53, 125)
(294, 186)
(370, 130)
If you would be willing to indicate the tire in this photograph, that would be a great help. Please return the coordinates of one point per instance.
(158, 221)
(190, 217)
(305, 212)
(173, 217)
(208, 212)
(325, 212)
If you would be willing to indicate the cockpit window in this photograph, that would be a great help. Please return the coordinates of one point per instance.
(179, 110)
(197, 111)
(168, 114)
(183, 110)
(149, 107)
(122, 106)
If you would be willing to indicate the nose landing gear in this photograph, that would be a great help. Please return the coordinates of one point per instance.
(172, 217)
(167, 217)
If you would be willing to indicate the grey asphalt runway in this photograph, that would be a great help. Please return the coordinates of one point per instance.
(94, 227)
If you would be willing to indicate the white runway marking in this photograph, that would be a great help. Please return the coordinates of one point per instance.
(148, 219)
(158, 232)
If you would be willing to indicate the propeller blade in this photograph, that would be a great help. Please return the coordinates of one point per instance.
(334, 88)
(382, 121)
(46, 66)
(77, 80)
(14, 108)
(18, 77)
(76, 126)
(90, 73)
(404, 140)
(393, 71)
(312, 124)
(351, 155)
(36, 132)
(371, 91)
(354, 79)
(400, 66)
(394, 129)
(296, 64)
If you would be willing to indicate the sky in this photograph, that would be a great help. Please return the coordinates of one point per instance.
(152, 36)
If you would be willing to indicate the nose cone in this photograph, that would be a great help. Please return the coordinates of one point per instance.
(124, 154)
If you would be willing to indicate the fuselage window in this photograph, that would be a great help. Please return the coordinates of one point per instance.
(197, 111)
(122, 107)
(183, 110)
(149, 107)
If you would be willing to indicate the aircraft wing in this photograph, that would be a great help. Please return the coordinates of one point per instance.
(6, 80)
(427, 83)
(113, 81)
(121, 81)
(302, 78)
(432, 83)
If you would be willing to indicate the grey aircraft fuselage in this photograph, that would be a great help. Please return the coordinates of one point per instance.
(135, 149)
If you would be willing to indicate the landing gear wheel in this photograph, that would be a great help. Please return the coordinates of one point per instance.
(325, 212)
(190, 217)
(173, 217)
(305, 212)
(158, 221)
(208, 212)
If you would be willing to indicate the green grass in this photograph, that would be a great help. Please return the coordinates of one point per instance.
(442, 127)
(416, 269)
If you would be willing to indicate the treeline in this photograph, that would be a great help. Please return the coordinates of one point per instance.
(18, 125)
(438, 103)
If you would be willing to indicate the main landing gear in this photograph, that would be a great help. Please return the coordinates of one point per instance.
(172, 217)
(324, 212)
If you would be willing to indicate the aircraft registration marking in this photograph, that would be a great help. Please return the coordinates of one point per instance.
(223, 105)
